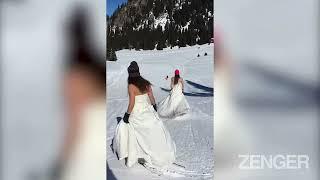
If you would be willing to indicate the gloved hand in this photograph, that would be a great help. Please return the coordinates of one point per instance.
(155, 107)
(126, 117)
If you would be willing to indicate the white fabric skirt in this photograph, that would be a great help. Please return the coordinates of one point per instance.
(145, 136)
(175, 104)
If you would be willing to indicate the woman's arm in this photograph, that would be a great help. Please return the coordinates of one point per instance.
(151, 97)
(182, 84)
(131, 98)
(172, 82)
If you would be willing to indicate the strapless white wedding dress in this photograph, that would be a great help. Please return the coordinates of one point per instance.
(145, 136)
(87, 160)
(175, 104)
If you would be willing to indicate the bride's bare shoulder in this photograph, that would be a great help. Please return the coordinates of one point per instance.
(132, 88)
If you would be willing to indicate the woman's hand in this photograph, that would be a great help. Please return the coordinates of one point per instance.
(126, 118)
(155, 107)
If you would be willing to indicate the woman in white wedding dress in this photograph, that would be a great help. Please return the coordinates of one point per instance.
(141, 136)
(175, 104)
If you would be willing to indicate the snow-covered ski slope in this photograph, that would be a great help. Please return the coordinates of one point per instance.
(193, 135)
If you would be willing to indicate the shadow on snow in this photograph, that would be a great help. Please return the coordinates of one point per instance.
(208, 90)
(306, 94)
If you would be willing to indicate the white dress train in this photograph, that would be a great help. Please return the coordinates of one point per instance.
(175, 104)
(145, 136)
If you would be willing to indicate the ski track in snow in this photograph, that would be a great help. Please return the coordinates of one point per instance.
(193, 134)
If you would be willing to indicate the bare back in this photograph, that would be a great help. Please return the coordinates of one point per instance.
(133, 92)
(180, 80)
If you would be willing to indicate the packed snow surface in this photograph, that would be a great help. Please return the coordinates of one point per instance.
(192, 134)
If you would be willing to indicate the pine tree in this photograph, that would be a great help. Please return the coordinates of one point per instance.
(193, 12)
(111, 55)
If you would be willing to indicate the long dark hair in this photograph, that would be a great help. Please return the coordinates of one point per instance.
(79, 53)
(141, 83)
(176, 79)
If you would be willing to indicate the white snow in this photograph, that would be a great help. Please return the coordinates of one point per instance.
(186, 26)
(161, 20)
(271, 52)
(194, 134)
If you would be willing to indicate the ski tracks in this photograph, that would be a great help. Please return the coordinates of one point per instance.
(193, 135)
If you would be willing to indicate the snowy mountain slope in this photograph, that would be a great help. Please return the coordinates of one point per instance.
(150, 24)
(142, 11)
(193, 135)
